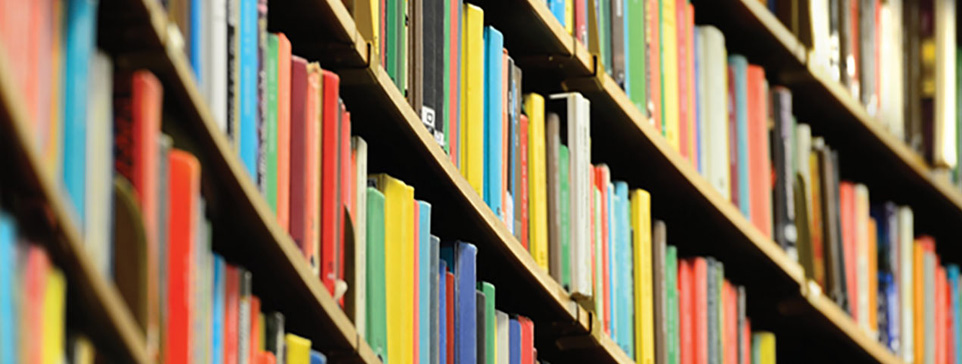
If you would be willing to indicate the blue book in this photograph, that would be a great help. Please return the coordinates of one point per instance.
(953, 273)
(317, 357)
(196, 45)
(8, 293)
(493, 121)
(435, 310)
(625, 289)
(217, 310)
(612, 261)
(249, 140)
(442, 310)
(738, 68)
(424, 281)
(80, 25)
(514, 337)
(557, 8)
(888, 315)
(463, 257)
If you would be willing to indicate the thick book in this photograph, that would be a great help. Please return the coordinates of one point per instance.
(9, 304)
(523, 203)
(670, 89)
(527, 340)
(274, 336)
(130, 254)
(831, 227)
(330, 181)
(759, 162)
(463, 257)
(452, 70)
(534, 107)
(684, 146)
(34, 277)
(80, 25)
(739, 133)
(304, 149)
(248, 135)
(635, 74)
(847, 217)
(642, 267)
(574, 113)
(712, 79)
(184, 184)
(493, 119)
(472, 113)
(514, 338)
(730, 323)
(375, 309)
(298, 349)
(945, 148)
(231, 313)
(98, 187)
(553, 178)
(625, 325)
(686, 317)
(763, 348)
(399, 258)
(54, 315)
(784, 229)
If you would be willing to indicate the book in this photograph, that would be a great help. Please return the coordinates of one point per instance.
(98, 188)
(739, 133)
(54, 315)
(481, 333)
(298, 349)
(617, 27)
(784, 230)
(502, 328)
(555, 198)
(284, 112)
(423, 278)
(462, 257)
(493, 119)
(375, 309)
(248, 140)
(713, 80)
(686, 310)
(763, 348)
(331, 122)
(184, 185)
(399, 257)
(305, 119)
(244, 316)
(443, 310)
(635, 73)
(642, 267)
(672, 313)
(759, 164)
(130, 254)
(906, 281)
(534, 108)
(514, 336)
(472, 113)
(318, 358)
(660, 290)
(9, 305)
(669, 72)
(490, 322)
(356, 266)
(436, 294)
(944, 147)
(79, 39)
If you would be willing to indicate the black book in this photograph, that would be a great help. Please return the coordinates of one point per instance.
(784, 231)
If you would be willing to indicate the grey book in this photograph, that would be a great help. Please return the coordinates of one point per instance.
(658, 246)
(618, 41)
(713, 313)
(552, 134)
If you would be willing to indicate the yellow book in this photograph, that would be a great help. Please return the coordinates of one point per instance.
(82, 351)
(472, 97)
(763, 348)
(54, 312)
(570, 16)
(398, 266)
(669, 72)
(537, 180)
(298, 349)
(367, 17)
(641, 258)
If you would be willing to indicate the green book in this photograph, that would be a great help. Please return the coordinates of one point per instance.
(402, 46)
(270, 123)
(565, 177)
(391, 39)
(490, 323)
(604, 34)
(376, 306)
(671, 300)
(636, 84)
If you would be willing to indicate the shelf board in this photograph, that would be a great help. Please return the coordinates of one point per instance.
(245, 230)
(868, 152)
(101, 310)
(832, 312)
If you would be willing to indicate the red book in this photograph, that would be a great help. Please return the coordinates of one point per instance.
(416, 211)
(653, 38)
(759, 162)
(681, 39)
(382, 30)
(846, 200)
(686, 298)
(330, 198)
(138, 100)
(255, 327)
(602, 176)
(231, 313)
(523, 152)
(454, 77)
(346, 190)
(527, 340)
(700, 306)
(733, 137)
(449, 321)
(693, 127)
(305, 92)
(747, 343)
(581, 26)
(283, 131)
(35, 288)
(730, 304)
(184, 194)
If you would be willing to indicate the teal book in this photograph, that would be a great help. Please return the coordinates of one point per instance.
(493, 119)
(376, 299)
(490, 334)
(249, 139)
(269, 137)
(9, 331)
(738, 71)
(626, 286)
(671, 300)
(424, 278)
(390, 32)
(613, 268)
(80, 26)
(636, 74)
(565, 177)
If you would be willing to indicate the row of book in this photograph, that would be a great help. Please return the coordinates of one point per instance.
(897, 57)
(33, 304)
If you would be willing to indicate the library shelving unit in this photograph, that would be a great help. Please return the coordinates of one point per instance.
(95, 304)
(699, 219)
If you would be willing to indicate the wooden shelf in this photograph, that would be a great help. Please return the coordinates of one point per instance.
(95, 305)
(245, 230)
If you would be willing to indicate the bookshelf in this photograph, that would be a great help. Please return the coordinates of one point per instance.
(566, 332)
(100, 310)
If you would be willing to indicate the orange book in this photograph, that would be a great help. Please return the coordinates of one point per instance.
(846, 201)
(283, 131)
(940, 328)
(255, 345)
(654, 61)
(183, 185)
(730, 322)
(922, 245)
(759, 163)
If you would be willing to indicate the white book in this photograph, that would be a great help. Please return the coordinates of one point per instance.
(906, 241)
(598, 274)
(578, 114)
(891, 112)
(360, 238)
(862, 254)
(945, 153)
(824, 43)
(214, 73)
(99, 175)
(502, 339)
(713, 99)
